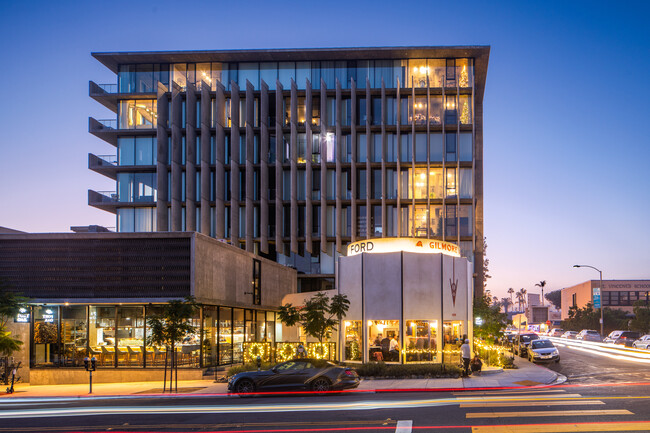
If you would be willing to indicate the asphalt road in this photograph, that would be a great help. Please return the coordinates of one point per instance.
(598, 396)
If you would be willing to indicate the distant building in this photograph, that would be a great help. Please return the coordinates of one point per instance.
(619, 294)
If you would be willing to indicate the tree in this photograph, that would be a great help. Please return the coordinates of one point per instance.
(541, 284)
(511, 291)
(492, 319)
(486, 264)
(318, 317)
(555, 298)
(506, 303)
(521, 298)
(169, 327)
(10, 305)
(641, 321)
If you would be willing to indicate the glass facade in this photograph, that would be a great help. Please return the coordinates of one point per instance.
(116, 336)
(383, 339)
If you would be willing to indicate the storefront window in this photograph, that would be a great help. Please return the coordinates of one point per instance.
(101, 334)
(45, 336)
(238, 335)
(420, 341)
(452, 340)
(187, 352)
(225, 336)
(353, 342)
(210, 327)
(73, 335)
(130, 336)
(383, 339)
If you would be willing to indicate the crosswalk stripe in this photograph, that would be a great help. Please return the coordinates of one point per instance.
(532, 403)
(404, 426)
(565, 428)
(546, 413)
(512, 391)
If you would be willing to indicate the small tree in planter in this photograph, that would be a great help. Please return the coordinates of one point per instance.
(318, 317)
(170, 327)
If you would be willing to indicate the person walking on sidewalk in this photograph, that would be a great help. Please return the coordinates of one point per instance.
(466, 355)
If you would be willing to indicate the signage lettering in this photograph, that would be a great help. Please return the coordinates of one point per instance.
(389, 245)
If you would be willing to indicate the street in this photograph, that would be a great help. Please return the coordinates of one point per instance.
(600, 394)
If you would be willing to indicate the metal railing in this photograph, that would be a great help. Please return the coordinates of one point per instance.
(107, 159)
(108, 123)
(108, 196)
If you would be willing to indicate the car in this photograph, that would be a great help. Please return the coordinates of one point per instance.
(556, 332)
(625, 338)
(642, 343)
(543, 350)
(589, 335)
(509, 339)
(295, 375)
(571, 335)
(521, 343)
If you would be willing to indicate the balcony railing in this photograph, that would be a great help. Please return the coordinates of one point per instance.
(107, 196)
(108, 88)
(108, 123)
(107, 160)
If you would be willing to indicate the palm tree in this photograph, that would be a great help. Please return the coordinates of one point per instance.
(506, 302)
(511, 291)
(541, 284)
(522, 297)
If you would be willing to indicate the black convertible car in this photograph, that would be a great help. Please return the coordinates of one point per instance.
(295, 375)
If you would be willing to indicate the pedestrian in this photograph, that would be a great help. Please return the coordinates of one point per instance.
(300, 351)
(466, 355)
(476, 364)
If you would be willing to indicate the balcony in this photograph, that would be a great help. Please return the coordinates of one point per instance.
(103, 164)
(104, 200)
(108, 94)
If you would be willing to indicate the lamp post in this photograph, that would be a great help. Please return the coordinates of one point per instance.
(602, 333)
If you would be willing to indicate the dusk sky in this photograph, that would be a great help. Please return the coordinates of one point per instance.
(566, 145)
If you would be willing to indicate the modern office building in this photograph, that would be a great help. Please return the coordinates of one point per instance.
(294, 153)
(615, 294)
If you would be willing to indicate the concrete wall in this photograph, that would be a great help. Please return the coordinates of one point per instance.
(222, 274)
(20, 331)
(55, 376)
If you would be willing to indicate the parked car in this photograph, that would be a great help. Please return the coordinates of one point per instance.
(295, 375)
(643, 342)
(556, 332)
(571, 335)
(543, 351)
(509, 339)
(589, 335)
(625, 338)
(522, 342)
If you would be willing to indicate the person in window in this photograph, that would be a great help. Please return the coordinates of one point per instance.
(393, 350)
(385, 347)
(377, 341)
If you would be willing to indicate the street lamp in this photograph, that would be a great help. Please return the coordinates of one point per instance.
(602, 333)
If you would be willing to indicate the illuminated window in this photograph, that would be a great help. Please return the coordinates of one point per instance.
(383, 340)
(137, 114)
(420, 341)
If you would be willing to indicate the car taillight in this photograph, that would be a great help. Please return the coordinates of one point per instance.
(350, 373)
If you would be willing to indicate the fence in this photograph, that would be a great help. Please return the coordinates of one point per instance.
(279, 352)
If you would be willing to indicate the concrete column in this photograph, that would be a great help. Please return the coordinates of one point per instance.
(162, 138)
(264, 168)
(177, 168)
(384, 220)
(353, 163)
(190, 159)
(323, 166)
(369, 225)
(293, 146)
(220, 170)
(279, 226)
(399, 163)
(428, 157)
(250, 140)
(234, 164)
(206, 103)
(309, 219)
(339, 243)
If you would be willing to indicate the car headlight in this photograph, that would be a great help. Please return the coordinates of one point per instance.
(555, 352)
(536, 355)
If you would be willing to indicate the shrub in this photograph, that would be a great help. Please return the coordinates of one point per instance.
(380, 369)
(251, 366)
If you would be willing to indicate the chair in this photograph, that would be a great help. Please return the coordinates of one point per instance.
(134, 351)
(108, 352)
(150, 354)
(123, 355)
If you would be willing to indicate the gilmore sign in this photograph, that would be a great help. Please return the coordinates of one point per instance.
(411, 245)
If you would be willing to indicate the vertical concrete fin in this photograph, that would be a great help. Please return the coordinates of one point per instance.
(220, 169)
(323, 166)
(309, 186)
(250, 157)
(369, 221)
(353, 164)
(177, 168)
(162, 143)
(279, 159)
(206, 104)
(293, 146)
(384, 115)
(264, 167)
(234, 164)
(190, 158)
(339, 185)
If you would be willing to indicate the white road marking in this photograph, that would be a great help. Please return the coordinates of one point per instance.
(404, 426)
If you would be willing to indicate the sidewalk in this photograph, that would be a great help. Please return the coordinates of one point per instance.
(526, 375)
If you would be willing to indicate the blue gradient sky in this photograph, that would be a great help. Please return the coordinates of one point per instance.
(566, 109)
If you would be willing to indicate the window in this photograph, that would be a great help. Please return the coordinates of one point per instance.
(421, 147)
(375, 155)
(391, 148)
(435, 147)
(420, 342)
(465, 182)
(451, 223)
(353, 340)
(361, 148)
(376, 184)
(451, 183)
(383, 336)
(465, 146)
(362, 113)
(450, 147)
(377, 226)
(137, 114)
(136, 187)
(257, 282)
(376, 111)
